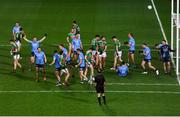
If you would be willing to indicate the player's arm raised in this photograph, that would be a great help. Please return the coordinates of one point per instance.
(26, 39)
(44, 37)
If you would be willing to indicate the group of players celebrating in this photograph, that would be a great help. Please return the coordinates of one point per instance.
(66, 59)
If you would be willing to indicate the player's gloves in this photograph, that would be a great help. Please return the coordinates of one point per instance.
(45, 34)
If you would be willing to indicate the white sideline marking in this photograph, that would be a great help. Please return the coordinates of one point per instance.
(92, 91)
(142, 84)
(163, 32)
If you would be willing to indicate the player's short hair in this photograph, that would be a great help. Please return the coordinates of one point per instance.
(131, 34)
(60, 52)
(11, 40)
(164, 40)
(79, 49)
(90, 48)
(62, 45)
(123, 63)
(97, 35)
(55, 51)
(74, 21)
(114, 37)
(21, 29)
(102, 37)
(145, 44)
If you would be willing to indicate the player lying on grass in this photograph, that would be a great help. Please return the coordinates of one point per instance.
(82, 66)
(117, 53)
(131, 45)
(89, 65)
(16, 56)
(122, 70)
(76, 44)
(94, 44)
(41, 60)
(147, 59)
(102, 47)
(35, 44)
(56, 61)
(165, 50)
(99, 84)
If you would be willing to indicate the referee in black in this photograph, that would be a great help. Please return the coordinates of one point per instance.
(99, 83)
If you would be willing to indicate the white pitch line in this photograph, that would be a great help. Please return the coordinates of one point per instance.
(163, 33)
(142, 84)
(92, 91)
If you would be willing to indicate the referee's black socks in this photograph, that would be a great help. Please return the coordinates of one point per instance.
(104, 99)
(99, 100)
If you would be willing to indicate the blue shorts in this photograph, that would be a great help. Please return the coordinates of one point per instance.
(32, 54)
(166, 59)
(82, 68)
(147, 60)
(40, 65)
(58, 69)
(131, 51)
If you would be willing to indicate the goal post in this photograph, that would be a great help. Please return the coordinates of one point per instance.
(175, 35)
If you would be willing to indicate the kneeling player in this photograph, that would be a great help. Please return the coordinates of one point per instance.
(41, 60)
(99, 83)
(82, 65)
(56, 61)
(89, 64)
(147, 59)
(122, 70)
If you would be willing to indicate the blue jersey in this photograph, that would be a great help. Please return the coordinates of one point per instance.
(56, 58)
(82, 58)
(147, 52)
(34, 45)
(165, 51)
(76, 44)
(65, 54)
(122, 70)
(16, 29)
(40, 58)
(132, 44)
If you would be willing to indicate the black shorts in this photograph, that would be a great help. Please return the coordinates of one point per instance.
(166, 59)
(58, 69)
(99, 89)
(131, 51)
(40, 66)
(147, 60)
(32, 54)
(82, 68)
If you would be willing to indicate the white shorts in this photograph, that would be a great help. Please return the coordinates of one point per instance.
(119, 54)
(94, 52)
(64, 71)
(102, 55)
(16, 57)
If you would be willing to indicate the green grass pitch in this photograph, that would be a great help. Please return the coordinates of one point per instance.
(105, 17)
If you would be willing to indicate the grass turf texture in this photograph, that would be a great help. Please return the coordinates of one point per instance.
(94, 16)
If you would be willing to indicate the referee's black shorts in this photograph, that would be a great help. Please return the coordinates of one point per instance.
(99, 89)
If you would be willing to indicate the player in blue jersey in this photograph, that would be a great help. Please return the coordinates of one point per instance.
(35, 44)
(16, 30)
(165, 50)
(41, 60)
(65, 54)
(82, 66)
(76, 44)
(56, 61)
(122, 70)
(147, 59)
(131, 44)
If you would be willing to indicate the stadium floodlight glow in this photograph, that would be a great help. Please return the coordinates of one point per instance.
(175, 34)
